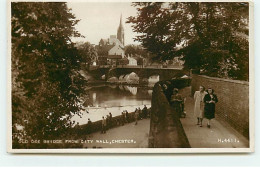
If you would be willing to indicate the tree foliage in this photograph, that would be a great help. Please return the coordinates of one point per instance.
(139, 52)
(211, 36)
(87, 52)
(135, 50)
(46, 86)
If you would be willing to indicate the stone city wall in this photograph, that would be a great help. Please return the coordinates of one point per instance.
(166, 130)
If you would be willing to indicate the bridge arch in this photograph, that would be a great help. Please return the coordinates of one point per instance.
(142, 73)
(132, 78)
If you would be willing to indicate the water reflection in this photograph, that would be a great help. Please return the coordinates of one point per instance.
(133, 90)
(112, 86)
(114, 99)
(94, 96)
(121, 87)
(150, 92)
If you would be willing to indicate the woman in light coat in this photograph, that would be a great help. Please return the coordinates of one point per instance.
(199, 105)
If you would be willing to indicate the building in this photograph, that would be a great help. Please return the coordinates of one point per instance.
(120, 32)
(112, 40)
(111, 51)
(132, 61)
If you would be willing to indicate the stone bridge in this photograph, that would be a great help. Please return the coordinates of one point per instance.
(142, 72)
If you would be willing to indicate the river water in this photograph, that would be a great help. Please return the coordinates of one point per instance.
(103, 99)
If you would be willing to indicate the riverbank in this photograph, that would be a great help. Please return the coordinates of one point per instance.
(96, 113)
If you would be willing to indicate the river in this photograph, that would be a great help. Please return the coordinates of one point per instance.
(103, 99)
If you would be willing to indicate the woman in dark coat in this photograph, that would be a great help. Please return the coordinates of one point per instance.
(210, 100)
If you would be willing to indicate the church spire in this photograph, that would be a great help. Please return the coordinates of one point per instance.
(121, 25)
(120, 32)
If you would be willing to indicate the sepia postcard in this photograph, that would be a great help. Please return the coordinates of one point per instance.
(130, 77)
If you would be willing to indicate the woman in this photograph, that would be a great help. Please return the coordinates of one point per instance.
(199, 104)
(210, 100)
(176, 101)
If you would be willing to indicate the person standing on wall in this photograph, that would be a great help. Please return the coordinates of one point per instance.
(104, 124)
(166, 91)
(145, 111)
(199, 104)
(210, 101)
(136, 114)
(176, 101)
(110, 119)
(89, 127)
(140, 113)
(123, 118)
(127, 116)
(107, 122)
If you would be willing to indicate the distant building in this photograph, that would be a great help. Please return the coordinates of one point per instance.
(111, 51)
(113, 40)
(132, 61)
(116, 50)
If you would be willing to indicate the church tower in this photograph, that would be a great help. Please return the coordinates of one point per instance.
(120, 32)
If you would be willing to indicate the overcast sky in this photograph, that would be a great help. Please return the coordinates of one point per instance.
(101, 19)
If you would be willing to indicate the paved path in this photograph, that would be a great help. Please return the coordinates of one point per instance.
(220, 135)
(127, 136)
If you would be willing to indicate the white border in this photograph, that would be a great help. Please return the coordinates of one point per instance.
(140, 150)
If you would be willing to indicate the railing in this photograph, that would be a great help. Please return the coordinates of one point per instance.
(92, 67)
(114, 122)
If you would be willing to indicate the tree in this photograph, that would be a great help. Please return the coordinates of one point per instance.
(87, 52)
(211, 36)
(142, 55)
(46, 88)
(136, 50)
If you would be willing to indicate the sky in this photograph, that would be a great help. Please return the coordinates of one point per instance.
(101, 19)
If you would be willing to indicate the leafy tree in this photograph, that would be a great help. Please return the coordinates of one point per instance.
(211, 36)
(87, 52)
(136, 50)
(139, 52)
(130, 50)
(47, 87)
